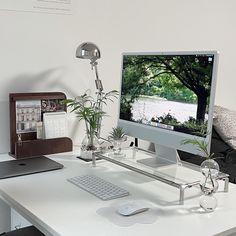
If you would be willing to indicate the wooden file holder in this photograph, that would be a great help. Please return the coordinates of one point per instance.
(29, 145)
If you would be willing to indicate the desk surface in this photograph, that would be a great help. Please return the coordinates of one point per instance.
(57, 207)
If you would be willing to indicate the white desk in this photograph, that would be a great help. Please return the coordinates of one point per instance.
(57, 207)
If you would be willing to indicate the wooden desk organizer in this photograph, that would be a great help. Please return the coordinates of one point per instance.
(28, 145)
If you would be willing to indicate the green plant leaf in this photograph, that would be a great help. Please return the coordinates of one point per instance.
(87, 108)
(202, 146)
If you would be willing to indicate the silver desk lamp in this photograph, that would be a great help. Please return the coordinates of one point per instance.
(90, 51)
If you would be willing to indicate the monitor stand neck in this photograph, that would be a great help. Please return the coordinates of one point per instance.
(164, 156)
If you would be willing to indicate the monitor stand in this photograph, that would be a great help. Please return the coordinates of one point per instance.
(164, 156)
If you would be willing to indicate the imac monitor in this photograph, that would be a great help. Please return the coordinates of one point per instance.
(166, 98)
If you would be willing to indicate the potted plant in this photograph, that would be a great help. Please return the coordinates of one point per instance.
(89, 110)
(117, 137)
(210, 170)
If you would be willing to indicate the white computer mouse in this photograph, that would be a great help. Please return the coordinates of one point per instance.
(132, 208)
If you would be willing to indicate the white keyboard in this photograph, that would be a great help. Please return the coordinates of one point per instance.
(98, 187)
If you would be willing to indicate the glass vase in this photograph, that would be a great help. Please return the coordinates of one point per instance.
(116, 147)
(209, 184)
(210, 167)
(89, 145)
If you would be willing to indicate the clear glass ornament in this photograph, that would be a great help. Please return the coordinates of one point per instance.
(89, 145)
(117, 147)
(208, 203)
(209, 184)
(211, 167)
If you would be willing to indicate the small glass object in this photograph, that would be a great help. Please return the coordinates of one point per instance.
(211, 167)
(116, 147)
(209, 184)
(208, 203)
(89, 145)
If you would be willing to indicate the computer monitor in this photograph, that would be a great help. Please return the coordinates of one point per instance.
(166, 97)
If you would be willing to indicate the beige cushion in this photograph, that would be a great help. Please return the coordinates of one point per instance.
(225, 124)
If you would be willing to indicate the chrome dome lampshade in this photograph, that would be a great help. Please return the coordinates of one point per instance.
(89, 51)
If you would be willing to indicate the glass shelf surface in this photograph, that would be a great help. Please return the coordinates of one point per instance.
(182, 175)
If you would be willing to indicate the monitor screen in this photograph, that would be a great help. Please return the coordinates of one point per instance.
(167, 93)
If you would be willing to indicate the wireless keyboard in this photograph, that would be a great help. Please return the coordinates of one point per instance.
(98, 187)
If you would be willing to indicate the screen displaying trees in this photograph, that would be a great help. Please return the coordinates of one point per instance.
(173, 90)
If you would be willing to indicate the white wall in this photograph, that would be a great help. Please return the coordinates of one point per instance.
(37, 50)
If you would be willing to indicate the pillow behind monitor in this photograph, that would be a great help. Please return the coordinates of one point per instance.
(225, 125)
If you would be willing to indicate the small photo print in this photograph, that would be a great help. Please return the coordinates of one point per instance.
(28, 113)
(51, 105)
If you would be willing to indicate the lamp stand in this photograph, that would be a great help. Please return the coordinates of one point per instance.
(99, 87)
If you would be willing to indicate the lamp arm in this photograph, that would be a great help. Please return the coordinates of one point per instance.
(97, 81)
(99, 119)
(99, 87)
